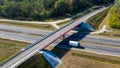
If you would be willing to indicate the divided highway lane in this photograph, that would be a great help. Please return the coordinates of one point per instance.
(18, 37)
(40, 44)
(100, 49)
(100, 39)
(23, 30)
(30, 38)
(104, 40)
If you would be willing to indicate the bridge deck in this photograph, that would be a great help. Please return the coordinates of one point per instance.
(45, 41)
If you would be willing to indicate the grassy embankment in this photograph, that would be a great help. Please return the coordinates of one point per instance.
(75, 59)
(9, 47)
(100, 19)
(37, 61)
(112, 20)
(95, 20)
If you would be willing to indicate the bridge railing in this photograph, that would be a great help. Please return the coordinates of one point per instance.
(36, 42)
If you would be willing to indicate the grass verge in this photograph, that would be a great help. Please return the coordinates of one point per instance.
(38, 26)
(97, 58)
(37, 61)
(95, 20)
(74, 59)
(114, 34)
(9, 47)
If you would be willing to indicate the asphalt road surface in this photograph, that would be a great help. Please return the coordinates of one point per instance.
(89, 46)
(18, 36)
(23, 30)
(30, 52)
(31, 38)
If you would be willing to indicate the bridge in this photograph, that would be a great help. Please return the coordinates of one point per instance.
(40, 44)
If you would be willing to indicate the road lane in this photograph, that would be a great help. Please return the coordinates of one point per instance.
(40, 44)
(23, 30)
(19, 37)
(100, 49)
(100, 39)
(30, 38)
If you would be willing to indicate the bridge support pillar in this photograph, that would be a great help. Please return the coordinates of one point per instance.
(63, 36)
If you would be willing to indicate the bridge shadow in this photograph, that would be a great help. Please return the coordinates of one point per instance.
(83, 30)
(64, 45)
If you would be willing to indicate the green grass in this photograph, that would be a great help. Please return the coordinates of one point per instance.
(9, 47)
(97, 58)
(38, 26)
(114, 16)
(37, 61)
(110, 17)
(77, 58)
(63, 23)
(95, 20)
(91, 56)
(74, 59)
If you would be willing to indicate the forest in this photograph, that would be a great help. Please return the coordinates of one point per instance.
(44, 9)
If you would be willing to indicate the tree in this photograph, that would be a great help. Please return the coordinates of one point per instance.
(43, 9)
(61, 7)
(1, 2)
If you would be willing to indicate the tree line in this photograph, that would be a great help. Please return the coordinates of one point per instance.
(43, 9)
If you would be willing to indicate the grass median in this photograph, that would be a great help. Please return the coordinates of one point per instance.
(29, 25)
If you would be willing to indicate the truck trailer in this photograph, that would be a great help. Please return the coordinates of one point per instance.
(74, 43)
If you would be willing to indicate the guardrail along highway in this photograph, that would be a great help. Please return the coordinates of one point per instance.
(40, 44)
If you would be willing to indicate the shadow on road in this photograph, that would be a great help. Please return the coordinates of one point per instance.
(82, 31)
(65, 44)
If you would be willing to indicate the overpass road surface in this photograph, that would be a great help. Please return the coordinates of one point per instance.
(45, 41)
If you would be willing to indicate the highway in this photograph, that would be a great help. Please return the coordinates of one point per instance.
(92, 47)
(18, 36)
(100, 39)
(95, 48)
(32, 38)
(45, 41)
(101, 47)
(97, 39)
(18, 29)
